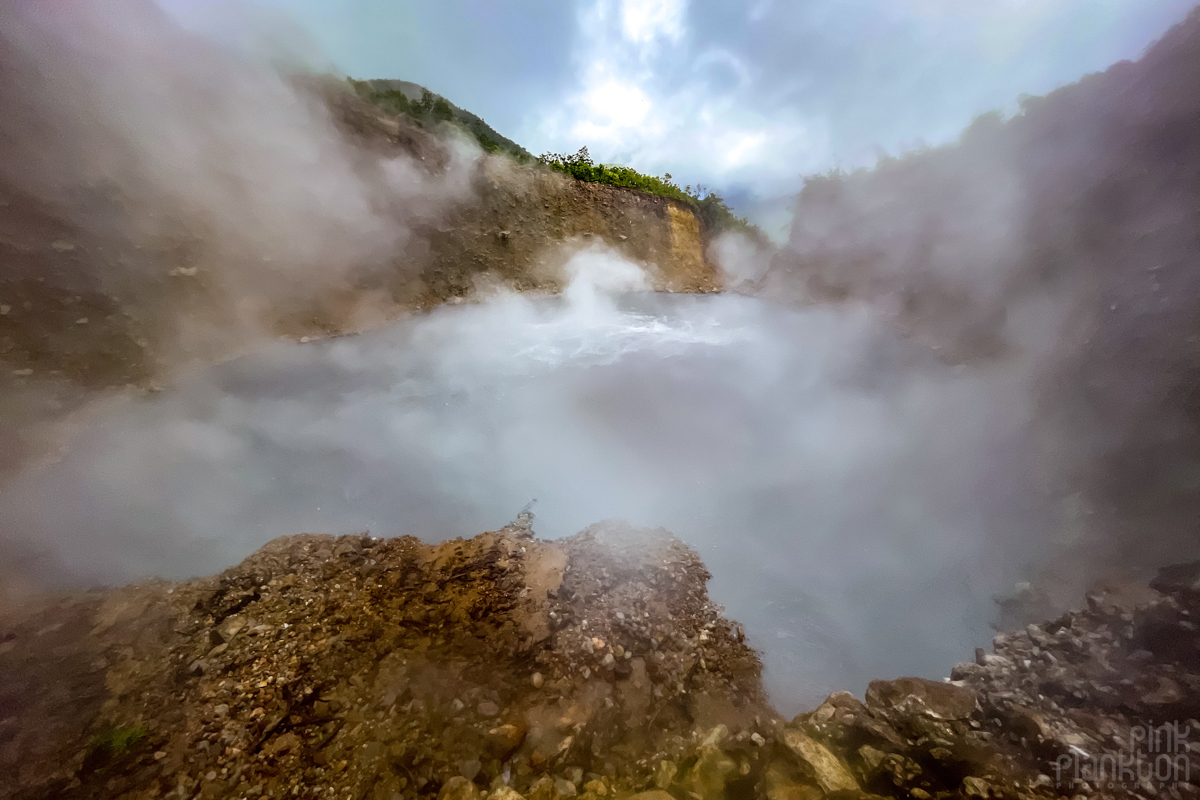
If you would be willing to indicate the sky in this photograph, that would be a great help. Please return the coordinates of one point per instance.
(744, 98)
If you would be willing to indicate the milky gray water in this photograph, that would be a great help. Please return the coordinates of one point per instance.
(857, 500)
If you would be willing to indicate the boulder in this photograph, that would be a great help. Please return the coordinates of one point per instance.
(458, 788)
(942, 701)
(828, 771)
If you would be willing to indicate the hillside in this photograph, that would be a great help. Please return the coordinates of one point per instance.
(594, 667)
(162, 278)
(1066, 236)
(404, 97)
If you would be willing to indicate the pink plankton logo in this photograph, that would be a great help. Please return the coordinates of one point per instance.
(1157, 755)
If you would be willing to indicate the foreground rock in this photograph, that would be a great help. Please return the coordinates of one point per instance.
(351, 666)
(594, 667)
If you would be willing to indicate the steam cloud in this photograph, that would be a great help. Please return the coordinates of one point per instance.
(846, 488)
(168, 150)
(859, 494)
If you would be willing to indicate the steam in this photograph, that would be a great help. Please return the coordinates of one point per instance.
(852, 494)
(172, 155)
(861, 476)
(743, 260)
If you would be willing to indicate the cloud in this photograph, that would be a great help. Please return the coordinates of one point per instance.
(743, 97)
(633, 104)
(749, 100)
(643, 21)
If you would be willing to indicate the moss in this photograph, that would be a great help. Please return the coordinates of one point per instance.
(112, 743)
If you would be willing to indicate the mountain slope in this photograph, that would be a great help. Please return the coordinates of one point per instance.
(405, 97)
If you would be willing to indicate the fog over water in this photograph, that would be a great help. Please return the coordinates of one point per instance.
(857, 500)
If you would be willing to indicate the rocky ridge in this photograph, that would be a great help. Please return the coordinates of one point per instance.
(506, 667)
(333, 666)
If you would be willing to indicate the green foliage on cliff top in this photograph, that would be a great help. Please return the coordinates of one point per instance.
(710, 207)
(428, 109)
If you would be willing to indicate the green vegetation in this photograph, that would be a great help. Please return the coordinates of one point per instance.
(709, 206)
(429, 110)
(113, 743)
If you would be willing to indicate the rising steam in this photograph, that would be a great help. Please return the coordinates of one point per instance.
(167, 154)
(863, 460)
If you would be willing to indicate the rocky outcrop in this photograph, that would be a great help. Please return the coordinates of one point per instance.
(1097, 703)
(595, 666)
(380, 668)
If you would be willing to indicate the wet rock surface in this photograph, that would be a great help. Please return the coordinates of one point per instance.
(506, 667)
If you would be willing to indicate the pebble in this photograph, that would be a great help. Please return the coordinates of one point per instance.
(537, 680)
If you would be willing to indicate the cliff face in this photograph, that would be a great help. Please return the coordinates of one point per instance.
(519, 230)
(106, 284)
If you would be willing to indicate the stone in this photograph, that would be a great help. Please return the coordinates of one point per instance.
(458, 788)
(664, 774)
(716, 736)
(975, 787)
(537, 680)
(542, 789)
(830, 773)
(942, 701)
(505, 793)
(231, 627)
(488, 709)
(1166, 693)
(503, 740)
(653, 794)
(564, 787)
(713, 769)
(871, 757)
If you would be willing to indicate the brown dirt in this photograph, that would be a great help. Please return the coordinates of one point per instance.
(593, 666)
(376, 667)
